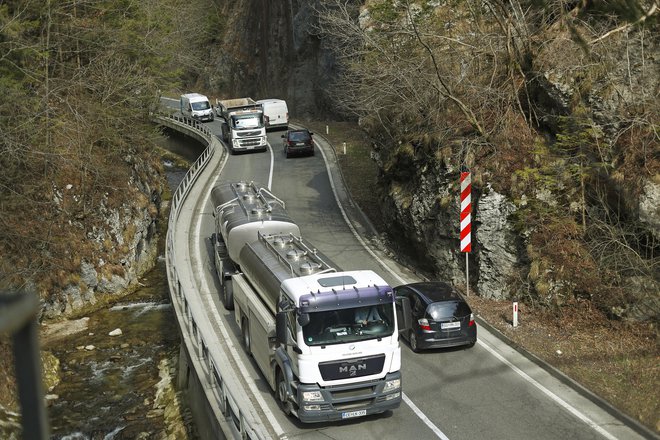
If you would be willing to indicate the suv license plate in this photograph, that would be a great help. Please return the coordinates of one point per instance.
(450, 325)
(351, 414)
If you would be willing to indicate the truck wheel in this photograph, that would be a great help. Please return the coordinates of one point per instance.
(245, 329)
(282, 401)
(228, 294)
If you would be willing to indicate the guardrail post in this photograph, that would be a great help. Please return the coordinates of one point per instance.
(18, 316)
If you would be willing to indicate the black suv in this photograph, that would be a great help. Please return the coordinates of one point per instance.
(298, 142)
(440, 316)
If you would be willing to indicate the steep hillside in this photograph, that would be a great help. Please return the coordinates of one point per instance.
(552, 108)
(81, 179)
(268, 49)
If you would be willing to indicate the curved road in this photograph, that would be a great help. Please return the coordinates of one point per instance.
(487, 392)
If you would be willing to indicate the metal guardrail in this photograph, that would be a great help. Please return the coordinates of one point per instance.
(222, 391)
(18, 316)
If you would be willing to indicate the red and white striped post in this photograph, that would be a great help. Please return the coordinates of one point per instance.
(466, 223)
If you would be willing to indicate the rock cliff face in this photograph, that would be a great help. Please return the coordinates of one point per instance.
(271, 49)
(124, 243)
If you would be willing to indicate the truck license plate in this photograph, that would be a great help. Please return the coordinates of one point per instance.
(450, 325)
(351, 414)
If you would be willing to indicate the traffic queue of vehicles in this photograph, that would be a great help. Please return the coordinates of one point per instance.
(245, 122)
(325, 339)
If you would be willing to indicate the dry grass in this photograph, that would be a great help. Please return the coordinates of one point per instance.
(616, 360)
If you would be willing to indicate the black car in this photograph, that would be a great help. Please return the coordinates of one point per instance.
(440, 316)
(297, 142)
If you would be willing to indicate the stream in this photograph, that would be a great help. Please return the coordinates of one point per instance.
(122, 386)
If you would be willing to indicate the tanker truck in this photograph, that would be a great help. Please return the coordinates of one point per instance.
(243, 128)
(298, 312)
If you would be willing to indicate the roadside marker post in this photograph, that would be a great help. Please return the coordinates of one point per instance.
(344, 145)
(466, 223)
(515, 314)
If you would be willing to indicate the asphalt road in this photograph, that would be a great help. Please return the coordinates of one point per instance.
(487, 392)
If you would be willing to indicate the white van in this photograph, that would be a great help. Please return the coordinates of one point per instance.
(196, 106)
(276, 113)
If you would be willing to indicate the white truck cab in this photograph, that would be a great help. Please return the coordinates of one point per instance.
(196, 106)
(243, 127)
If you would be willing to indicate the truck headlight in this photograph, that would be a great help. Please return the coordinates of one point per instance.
(391, 385)
(312, 396)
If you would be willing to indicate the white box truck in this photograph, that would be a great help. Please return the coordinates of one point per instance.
(276, 114)
(196, 106)
(300, 316)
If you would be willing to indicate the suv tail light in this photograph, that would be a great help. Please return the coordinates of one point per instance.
(424, 324)
(471, 320)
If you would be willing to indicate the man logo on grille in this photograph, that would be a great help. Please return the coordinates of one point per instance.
(352, 370)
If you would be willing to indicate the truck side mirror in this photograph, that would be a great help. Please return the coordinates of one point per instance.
(280, 328)
(303, 319)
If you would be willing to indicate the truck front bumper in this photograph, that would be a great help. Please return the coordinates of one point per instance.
(249, 144)
(344, 402)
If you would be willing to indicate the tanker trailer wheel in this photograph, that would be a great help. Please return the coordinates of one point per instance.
(245, 329)
(228, 294)
(282, 401)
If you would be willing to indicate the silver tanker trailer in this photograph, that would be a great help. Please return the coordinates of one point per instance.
(301, 317)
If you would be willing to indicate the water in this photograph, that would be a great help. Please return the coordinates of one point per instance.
(119, 388)
(109, 391)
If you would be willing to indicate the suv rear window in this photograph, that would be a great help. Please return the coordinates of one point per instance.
(299, 136)
(443, 310)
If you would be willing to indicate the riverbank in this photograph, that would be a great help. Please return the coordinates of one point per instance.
(111, 373)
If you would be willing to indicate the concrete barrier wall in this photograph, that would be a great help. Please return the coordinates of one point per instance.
(214, 390)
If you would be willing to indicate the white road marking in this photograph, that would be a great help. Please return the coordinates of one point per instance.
(425, 419)
(405, 398)
(272, 166)
(350, 225)
(205, 286)
(549, 393)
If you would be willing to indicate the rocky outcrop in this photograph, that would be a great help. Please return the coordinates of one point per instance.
(496, 245)
(424, 214)
(649, 207)
(126, 246)
(270, 50)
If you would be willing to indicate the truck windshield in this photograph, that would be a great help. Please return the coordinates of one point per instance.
(349, 325)
(249, 121)
(202, 105)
